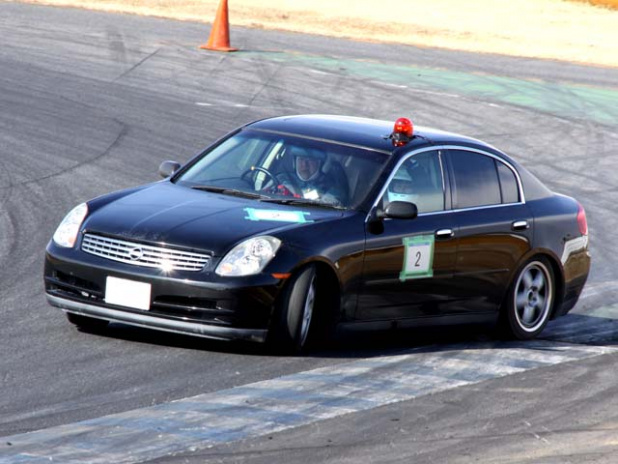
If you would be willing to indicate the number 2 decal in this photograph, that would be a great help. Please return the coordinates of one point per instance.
(417, 257)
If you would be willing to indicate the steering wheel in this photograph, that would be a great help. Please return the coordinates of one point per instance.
(254, 169)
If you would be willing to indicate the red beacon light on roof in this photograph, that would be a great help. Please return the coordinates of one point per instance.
(403, 131)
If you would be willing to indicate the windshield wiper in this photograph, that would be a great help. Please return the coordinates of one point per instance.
(301, 201)
(265, 198)
(230, 191)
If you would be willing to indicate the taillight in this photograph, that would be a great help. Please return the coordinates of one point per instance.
(581, 220)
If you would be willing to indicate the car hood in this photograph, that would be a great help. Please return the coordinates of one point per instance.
(165, 213)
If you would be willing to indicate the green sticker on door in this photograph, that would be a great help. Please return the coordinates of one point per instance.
(417, 257)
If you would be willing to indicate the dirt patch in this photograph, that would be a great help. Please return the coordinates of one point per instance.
(551, 29)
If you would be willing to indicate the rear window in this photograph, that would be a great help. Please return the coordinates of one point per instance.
(475, 180)
(508, 184)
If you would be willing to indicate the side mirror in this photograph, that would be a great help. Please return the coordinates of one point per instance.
(167, 168)
(399, 210)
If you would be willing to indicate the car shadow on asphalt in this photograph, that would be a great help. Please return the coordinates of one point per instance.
(347, 345)
(573, 329)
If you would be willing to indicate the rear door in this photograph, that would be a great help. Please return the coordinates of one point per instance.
(494, 226)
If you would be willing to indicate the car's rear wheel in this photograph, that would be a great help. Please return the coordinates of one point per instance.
(530, 300)
(86, 323)
(291, 327)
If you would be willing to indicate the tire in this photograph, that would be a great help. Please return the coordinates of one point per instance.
(292, 326)
(530, 300)
(86, 323)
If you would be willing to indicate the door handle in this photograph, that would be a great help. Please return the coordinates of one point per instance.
(445, 233)
(520, 225)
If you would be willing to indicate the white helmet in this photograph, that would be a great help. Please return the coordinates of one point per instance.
(316, 156)
(401, 188)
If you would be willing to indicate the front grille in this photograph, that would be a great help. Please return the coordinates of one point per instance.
(143, 255)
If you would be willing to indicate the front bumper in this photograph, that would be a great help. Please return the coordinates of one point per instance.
(192, 303)
(157, 323)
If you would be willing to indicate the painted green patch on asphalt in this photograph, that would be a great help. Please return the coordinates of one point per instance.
(561, 99)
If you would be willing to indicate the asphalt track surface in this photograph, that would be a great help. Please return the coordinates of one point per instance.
(92, 102)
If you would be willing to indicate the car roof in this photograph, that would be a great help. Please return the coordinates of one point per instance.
(363, 132)
(374, 134)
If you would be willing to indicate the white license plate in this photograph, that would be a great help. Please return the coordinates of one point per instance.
(127, 293)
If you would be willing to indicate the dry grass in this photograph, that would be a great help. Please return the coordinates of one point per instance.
(553, 29)
(605, 3)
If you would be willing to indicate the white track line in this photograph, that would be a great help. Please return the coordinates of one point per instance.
(275, 405)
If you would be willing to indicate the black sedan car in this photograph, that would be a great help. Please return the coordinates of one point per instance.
(290, 227)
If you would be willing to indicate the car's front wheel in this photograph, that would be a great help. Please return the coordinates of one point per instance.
(294, 313)
(530, 300)
(86, 323)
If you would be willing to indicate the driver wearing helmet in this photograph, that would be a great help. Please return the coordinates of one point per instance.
(310, 181)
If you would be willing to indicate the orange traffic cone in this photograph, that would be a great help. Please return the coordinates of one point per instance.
(220, 35)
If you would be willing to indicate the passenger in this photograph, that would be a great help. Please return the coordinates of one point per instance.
(311, 180)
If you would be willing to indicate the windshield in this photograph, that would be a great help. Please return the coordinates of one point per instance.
(287, 169)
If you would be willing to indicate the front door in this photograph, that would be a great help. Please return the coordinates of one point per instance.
(409, 263)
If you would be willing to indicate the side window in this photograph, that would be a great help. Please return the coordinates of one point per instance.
(418, 180)
(475, 179)
(508, 184)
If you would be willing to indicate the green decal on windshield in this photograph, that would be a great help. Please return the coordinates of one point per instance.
(417, 257)
(277, 215)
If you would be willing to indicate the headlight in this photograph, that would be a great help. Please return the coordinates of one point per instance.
(249, 257)
(66, 233)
